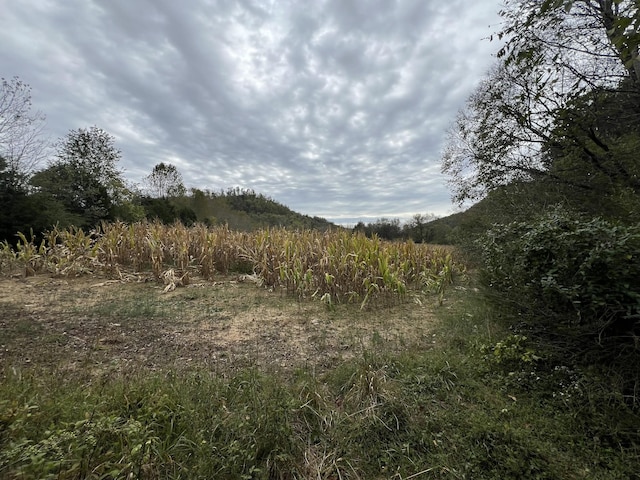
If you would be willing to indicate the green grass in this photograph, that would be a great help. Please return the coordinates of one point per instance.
(475, 401)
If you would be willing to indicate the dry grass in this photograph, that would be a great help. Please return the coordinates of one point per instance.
(99, 325)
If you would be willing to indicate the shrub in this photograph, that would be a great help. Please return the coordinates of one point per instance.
(584, 271)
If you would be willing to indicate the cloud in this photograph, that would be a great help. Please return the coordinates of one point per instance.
(336, 108)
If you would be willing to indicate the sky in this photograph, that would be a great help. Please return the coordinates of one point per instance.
(335, 108)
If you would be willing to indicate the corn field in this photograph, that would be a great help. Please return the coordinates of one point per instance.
(335, 267)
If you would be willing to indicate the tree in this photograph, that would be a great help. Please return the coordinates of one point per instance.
(417, 228)
(595, 141)
(22, 144)
(165, 181)
(12, 199)
(589, 42)
(26, 212)
(388, 229)
(559, 58)
(85, 177)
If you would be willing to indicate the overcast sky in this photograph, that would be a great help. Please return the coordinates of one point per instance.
(336, 108)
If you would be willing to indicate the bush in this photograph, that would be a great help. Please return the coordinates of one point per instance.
(584, 271)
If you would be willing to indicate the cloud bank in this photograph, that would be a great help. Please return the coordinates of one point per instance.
(336, 108)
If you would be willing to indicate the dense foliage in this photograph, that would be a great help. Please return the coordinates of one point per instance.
(549, 140)
(563, 268)
(84, 178)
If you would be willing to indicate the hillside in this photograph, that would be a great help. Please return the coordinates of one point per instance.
(454, 228)
(244, 210)
(518, 201)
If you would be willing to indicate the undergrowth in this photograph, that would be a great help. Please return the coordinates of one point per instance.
(484, 402)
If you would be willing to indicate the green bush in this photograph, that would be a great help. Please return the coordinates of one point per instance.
(584, 271)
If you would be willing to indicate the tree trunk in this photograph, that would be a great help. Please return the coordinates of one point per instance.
(625, 43)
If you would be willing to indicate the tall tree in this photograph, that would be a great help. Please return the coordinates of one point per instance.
(22, 144)
(165, 181)
(558, 57)
(85, 177)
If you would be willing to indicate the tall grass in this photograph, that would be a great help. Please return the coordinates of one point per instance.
(335, 266)
(449, 412)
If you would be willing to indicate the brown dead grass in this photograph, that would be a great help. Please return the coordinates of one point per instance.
(97, 325)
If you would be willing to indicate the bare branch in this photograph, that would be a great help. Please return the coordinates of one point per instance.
(22, 143)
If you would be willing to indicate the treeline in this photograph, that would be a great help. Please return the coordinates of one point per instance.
(420, 229)
(66, 195)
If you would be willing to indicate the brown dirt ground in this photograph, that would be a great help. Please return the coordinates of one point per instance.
(96, 325)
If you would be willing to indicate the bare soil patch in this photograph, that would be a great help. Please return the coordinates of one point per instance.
(96, 325)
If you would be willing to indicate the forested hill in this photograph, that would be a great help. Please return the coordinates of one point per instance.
(243, 210)
(238, 208)
(82, 185)
(515, 202)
